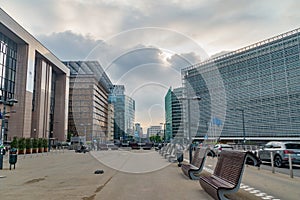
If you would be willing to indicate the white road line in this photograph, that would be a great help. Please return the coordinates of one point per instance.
(260, 194)
(249, 189)
(255, 191)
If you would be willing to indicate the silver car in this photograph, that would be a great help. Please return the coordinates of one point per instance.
(281, 151)
(219, 147)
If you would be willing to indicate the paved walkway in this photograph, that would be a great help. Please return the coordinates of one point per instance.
(70, 175)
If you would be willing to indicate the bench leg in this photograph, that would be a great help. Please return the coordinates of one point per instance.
(193, 176)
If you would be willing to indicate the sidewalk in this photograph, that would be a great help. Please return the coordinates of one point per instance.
(71, 175)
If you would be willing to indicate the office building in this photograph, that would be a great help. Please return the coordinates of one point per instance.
(37, 79)
(89, 110)
(138, 131)
(155, 130)
(252, 93)
(174, 125)
(124, 113)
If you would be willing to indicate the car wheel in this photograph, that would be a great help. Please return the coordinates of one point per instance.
(278, 161)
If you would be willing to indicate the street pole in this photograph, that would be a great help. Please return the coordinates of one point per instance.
(85, 134)
(190, 135)
(197, 98)
(244, 132)
(3, 123)
(4, 102)
(243, 122)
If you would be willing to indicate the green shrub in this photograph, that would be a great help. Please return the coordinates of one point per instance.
(40, 142)
(28, 143)
(21, 143)
(45, 143)
(35, 143)
(14, 143)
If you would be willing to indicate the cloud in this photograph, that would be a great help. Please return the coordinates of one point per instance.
(68, 45)
(214, 24)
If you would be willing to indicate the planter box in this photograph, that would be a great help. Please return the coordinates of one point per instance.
(41, 150)
(28, 151)
(35, 150)
(46, 149)
(21, 151)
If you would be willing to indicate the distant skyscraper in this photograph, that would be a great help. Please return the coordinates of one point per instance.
(124, 113)
(138, 131)
(173, 113)
(154, 130)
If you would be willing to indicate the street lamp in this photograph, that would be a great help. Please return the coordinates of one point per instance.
(9, 101)
(85, 130)
(164, 129)
(243, 121)
(196, 98)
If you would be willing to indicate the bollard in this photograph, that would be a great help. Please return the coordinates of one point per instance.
(272, 162)
(1, 161)
(291, 166)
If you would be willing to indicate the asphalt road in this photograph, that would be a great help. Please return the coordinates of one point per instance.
(282, 170)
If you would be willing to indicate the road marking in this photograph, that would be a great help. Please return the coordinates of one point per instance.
(249, 189)
(255, 191)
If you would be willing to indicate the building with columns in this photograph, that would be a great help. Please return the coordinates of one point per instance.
(37, 79)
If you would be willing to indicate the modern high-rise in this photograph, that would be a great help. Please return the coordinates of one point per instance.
(138, 130)
(155, 130)
(252, 93)
(37, 79)
(90, 114)
(174, 126)
(124, 113)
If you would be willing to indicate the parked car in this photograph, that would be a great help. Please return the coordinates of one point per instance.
(281, 151)
(82, 149)
(219, 147)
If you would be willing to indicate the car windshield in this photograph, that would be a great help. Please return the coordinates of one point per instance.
(292, 146)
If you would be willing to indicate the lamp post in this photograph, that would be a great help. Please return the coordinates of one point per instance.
(243, 121)
(9, 101)
(85, 130)
(164, 129)
(197, 98)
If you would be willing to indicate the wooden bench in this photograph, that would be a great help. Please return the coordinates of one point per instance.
(227, 175)
(197, 164)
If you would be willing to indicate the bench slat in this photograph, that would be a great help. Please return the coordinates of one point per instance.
(227, 175)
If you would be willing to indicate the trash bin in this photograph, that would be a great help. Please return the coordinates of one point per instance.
(13, 157)
(180, 158)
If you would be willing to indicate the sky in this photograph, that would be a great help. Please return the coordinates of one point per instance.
(144, 44)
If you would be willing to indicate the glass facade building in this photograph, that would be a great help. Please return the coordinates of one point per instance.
(8, 63)
(173, 111)
(257, 90)
(124, 113)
